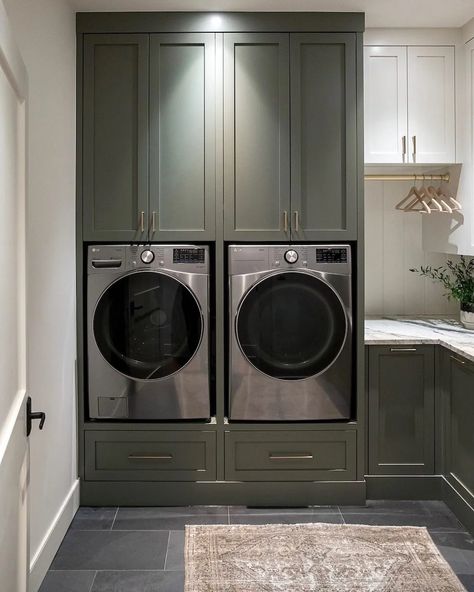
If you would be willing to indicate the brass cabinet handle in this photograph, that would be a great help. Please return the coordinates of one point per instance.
(153, 221)
(297, 221)
(414, 146)
(290, 456)
(463, 362)
(404, 147)
(285, 220)
(403, 349)
(150, 456)
(142, 221)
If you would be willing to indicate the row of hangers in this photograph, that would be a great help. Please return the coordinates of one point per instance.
(428, 200)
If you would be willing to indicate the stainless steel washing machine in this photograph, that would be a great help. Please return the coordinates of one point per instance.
(290, 332)
(147, 332)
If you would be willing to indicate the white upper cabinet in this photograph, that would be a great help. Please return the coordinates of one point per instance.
(409, 104)
(431, 102)
(386, 104)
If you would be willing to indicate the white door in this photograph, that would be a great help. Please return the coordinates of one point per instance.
(385, 84)
(431, 104)
(14, 456)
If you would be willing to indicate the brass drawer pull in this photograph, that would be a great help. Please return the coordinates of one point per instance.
(142, 221)
(458, 360)
(285, 221)
(403, 349)
(153, 221)
(150, 457)
(291, 456)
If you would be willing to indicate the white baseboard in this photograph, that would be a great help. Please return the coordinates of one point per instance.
(43, 556)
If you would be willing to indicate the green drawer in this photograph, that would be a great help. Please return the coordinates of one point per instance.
(328, 455)
(150, 456)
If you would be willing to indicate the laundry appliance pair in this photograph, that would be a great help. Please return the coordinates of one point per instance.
(289, 338)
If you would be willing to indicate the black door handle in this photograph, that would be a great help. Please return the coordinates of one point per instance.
(30, 416)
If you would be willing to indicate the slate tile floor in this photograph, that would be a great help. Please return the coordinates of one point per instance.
(141, 549)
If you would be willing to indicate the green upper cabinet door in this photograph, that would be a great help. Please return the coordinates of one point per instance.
(323, 136)
(182, 136)
(115, 137)
(256, 136)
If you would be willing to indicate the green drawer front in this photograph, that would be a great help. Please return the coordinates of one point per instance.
(150, 456)
(291, 456)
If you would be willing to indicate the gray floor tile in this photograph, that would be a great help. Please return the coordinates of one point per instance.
(67, 581)
(391, 507)
(458, 549)
(175, 553)
(93, 519)
(239, 510)
(434, 522)
(138, 581)
(112, 550)
(286, 518)
(167, 518)
(468, 582)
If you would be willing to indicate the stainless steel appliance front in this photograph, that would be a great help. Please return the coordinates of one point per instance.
(290, 332)
(147, 332)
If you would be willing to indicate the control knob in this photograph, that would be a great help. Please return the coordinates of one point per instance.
(291, 256)
(147, 256)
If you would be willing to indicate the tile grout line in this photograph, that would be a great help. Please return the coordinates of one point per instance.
(167, 548)
(342, 516)
(93, 581)
(115, 517)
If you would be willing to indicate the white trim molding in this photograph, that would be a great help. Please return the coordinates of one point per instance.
(42, 557)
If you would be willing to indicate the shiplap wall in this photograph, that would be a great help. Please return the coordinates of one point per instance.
(393, 244)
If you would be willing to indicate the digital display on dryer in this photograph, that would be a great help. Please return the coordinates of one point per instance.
(331, 255)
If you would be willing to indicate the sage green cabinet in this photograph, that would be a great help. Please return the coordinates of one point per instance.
(323, 136)
(115, 137)
(273, 82)
(256, 136)
(459, 424)
(401, 410)
(149, 137)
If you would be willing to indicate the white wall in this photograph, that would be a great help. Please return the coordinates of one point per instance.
(393, 244)
(45, 33)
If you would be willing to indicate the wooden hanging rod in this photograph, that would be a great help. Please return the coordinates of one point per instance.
(444, 177)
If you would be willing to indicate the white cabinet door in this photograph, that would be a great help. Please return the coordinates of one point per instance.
(431, 120)
(385, 104)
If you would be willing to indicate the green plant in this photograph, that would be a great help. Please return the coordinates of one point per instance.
(457, 278)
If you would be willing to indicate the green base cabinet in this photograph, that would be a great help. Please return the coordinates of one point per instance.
(401, 410)
(458, 416)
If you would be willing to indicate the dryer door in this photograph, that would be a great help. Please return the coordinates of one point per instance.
(148, 325)
(291, 325)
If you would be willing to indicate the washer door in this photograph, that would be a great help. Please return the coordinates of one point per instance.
(147, 325)
(291, 326)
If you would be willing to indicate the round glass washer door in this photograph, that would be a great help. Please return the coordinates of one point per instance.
(291, 326)
(148, 325)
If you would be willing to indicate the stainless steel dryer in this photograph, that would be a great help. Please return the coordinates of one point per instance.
(147, 332)
(291, 332)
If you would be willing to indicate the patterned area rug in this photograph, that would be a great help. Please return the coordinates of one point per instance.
(314, 558)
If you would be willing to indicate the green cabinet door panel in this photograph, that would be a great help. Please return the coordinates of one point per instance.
(182, 136)
(256, 136)
(115, 137)
(401, 410)
(323, 136)
(459, 424)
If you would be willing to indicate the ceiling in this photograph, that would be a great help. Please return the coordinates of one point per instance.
(379, 13)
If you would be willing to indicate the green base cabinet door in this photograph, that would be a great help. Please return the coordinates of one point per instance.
(323, 136)
(401, 410)
(459, 425)
(256, 137)
(115, 137)
(182, 136)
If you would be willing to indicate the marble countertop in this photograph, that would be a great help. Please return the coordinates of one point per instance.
(407, 331)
